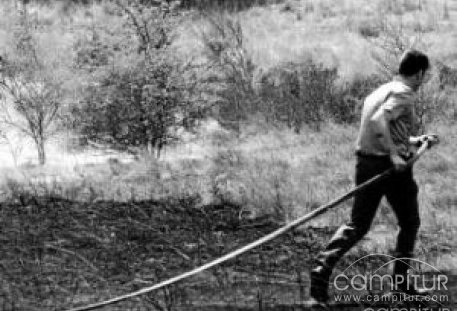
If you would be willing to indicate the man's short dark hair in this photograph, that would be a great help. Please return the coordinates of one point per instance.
(413, 62)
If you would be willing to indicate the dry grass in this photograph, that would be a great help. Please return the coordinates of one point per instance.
(274, 172)
(270, 172)
(275, 35)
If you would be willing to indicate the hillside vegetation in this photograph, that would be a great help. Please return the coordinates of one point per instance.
(127, 124)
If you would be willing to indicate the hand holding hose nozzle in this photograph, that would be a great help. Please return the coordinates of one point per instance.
(423, 146)
(430, 139)
(423, 142)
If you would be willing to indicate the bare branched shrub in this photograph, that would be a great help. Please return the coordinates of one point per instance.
(348, 97)
(152, 22)
(30, 103)
(32, 92)
(224, 5)
(31, 108)
(389, 46)
(91, 52)
(14, 144)
(447, 75)
(231, 70)
(433, 103)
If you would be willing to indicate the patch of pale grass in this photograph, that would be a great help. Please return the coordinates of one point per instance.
(283, 171)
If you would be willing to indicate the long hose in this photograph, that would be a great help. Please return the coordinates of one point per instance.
(299, 221)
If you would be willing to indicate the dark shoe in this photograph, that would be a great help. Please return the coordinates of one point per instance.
(401, 268)
(391, 297)
(319, 284)
(315, 304)
(414, 291)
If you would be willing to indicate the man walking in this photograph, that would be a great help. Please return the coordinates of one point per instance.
(386, 139)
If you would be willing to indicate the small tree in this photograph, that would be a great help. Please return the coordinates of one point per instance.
(152, 22)
(230, 74)
(392, 43)
(145, 103)
(141, 106)
(30, 104)
(31, 94)
(395, 38)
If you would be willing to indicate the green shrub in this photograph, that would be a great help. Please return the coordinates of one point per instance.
(145, 103)
(140, 106)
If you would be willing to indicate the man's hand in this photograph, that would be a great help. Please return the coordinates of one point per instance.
(398, 162)
(431, 139)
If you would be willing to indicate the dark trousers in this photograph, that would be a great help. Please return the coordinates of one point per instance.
(401, 192)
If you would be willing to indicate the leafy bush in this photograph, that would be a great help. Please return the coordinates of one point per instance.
(140, 106)
(147, 102)
(291, 93)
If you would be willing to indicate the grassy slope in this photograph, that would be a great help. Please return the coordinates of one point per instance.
(330, 31)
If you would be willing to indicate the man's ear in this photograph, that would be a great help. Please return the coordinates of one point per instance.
(418, 77)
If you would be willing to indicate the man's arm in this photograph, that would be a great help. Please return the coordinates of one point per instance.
(380, 121)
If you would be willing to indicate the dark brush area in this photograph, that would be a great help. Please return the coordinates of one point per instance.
(58, 253)
(227, 5)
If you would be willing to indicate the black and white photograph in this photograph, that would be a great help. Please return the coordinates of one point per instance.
(228, 155)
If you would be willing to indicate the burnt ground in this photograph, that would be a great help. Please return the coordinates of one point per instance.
(56, 254)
